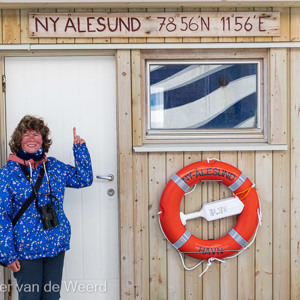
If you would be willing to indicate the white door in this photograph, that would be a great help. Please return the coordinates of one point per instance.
(77, 91)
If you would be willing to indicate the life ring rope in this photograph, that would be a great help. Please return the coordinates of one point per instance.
(184, 237)
(246, 191)
(192, 189)
(211, 259)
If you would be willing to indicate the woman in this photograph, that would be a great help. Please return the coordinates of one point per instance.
(33, 248)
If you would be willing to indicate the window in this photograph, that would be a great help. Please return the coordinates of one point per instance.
(205, 100)
(185, 96)
(209, 99)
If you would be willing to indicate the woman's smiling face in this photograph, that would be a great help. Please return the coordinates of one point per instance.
(32, 141)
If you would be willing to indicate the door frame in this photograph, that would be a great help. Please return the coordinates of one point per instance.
(124, 153)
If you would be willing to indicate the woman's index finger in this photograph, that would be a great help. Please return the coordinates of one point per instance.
(74, 132)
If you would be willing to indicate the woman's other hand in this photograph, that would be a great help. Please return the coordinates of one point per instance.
(77, 138)
(15, 266)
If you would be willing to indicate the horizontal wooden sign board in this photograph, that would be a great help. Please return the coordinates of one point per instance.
(164, 24)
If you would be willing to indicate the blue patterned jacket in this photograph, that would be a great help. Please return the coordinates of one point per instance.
(28, 239)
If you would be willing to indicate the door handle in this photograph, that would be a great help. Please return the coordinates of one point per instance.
(109, 177)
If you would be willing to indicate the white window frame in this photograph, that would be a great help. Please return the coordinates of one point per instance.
(274, 95)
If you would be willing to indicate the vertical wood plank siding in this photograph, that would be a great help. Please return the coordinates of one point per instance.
(150, 267)
(295, 176)
(246, 262)
(126, 205)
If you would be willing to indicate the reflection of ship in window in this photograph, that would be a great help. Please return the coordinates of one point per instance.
(203, 96)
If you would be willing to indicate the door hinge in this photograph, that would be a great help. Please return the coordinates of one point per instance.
(3, 83)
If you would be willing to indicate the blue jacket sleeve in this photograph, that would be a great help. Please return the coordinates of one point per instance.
(82, 174)
(7, 249)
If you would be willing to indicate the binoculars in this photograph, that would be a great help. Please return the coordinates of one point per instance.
(49, 216)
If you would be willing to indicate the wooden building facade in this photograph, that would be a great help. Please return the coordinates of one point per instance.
(150, 268)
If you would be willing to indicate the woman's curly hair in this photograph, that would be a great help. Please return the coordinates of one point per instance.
(30, 123)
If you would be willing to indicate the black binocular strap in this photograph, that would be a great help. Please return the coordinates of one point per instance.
(32, 195)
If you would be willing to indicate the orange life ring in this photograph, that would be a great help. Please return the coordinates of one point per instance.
(181, 182)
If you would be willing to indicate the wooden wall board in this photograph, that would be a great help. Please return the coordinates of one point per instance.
(141, 228)
(175, 271)
(211, 230)
(295, 176)
(281, 225)
(246, 261)
(295, 24)
(136, 97)
(285, 24)
(125, 166)
(1, 29)
(264, 239)
(192, 203)
(278, 96)
(25, 28)
(229, 270)
(11, 26)
(158, 278)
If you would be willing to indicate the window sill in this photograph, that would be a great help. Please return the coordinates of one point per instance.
(209, 147)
